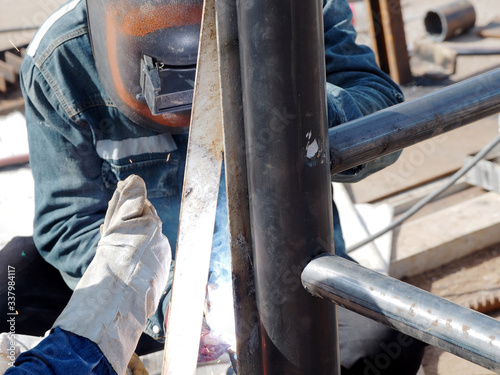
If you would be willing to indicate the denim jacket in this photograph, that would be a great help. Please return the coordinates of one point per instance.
(81, 145)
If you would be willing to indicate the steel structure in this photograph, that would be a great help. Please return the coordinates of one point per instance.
(286, 210)
(285, 120)
(439, 322)
(405, 124)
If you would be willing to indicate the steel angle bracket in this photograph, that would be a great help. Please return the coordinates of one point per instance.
(198, 208)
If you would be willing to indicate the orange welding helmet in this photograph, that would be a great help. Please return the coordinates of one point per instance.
(145, 53)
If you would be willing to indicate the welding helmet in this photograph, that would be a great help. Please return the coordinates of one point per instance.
(145, 53)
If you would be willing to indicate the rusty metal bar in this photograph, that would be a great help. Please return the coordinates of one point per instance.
(376, 32)
(284, 105)
(395, 41)
(439, 322)
(405, 124)
(387, 32)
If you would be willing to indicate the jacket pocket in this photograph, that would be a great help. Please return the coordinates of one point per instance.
(160, 172)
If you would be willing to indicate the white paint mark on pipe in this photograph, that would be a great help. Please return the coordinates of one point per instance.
(312, 149)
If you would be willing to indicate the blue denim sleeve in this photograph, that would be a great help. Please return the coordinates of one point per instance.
(70, 200)
(62, 353)
(356, 86)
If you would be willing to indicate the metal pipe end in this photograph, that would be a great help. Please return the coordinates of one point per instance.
(450, 20)
(435, 26)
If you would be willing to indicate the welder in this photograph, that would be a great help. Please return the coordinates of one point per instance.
(108, 86)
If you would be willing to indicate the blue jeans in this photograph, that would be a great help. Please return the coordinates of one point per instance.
(62, 353)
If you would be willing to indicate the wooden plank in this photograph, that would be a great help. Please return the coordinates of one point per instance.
(386, 29)
(376, 32)
(446, 235)
(8, 72)
(395, 41)
(448, 201)
(13, 60)
(426, 161)
(3, 84)
(11, 105)
(458, 281)
(22, 14)
(405, 200)
(486, 173)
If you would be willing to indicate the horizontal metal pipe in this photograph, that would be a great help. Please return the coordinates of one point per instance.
(405, 124)
(439, 322)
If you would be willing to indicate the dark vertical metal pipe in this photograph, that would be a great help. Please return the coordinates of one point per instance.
(429, 318)
(248, 346)
(284, 105)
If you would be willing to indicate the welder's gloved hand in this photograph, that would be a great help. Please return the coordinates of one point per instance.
(122, 286)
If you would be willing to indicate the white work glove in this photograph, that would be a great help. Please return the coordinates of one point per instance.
(122, 286)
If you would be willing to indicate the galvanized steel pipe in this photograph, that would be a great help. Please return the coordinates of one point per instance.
(405, 124)
(439, 322)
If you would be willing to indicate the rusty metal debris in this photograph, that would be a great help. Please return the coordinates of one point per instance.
(486, 303)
